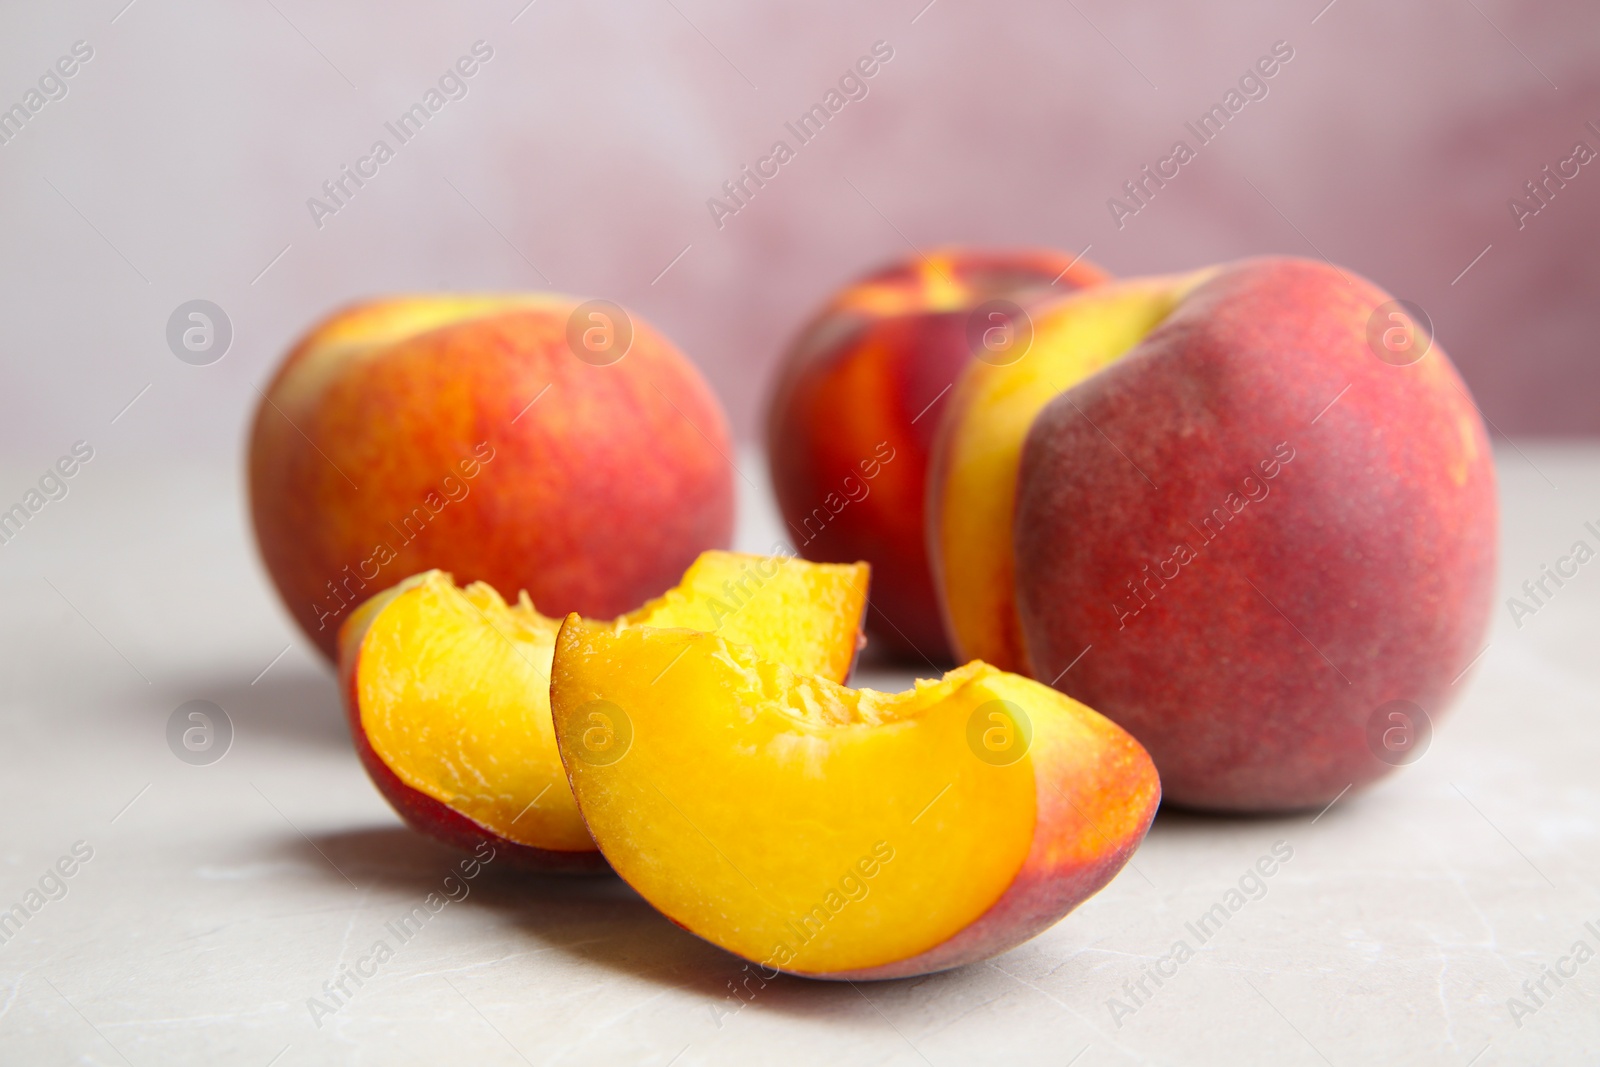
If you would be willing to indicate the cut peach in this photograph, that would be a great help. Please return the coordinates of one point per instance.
(840, 833)
(447, 689)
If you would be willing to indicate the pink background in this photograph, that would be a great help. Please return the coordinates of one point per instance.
(587, 147)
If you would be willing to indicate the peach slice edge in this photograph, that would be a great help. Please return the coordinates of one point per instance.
(967, 857)
(435, 773)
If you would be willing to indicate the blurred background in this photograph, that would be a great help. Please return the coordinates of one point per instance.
(178, 161)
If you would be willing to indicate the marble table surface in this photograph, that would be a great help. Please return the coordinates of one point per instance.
(184, 913)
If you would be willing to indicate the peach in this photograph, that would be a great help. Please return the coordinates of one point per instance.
(859, 400)
(526, 441)
(837, 833)
(973, 465)
(447, 690)
(1269, 519)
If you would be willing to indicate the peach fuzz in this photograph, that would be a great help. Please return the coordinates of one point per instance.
(1251, 533)
(856, 407)
(464, 432)
(973, 468)
(836, 833)
(447, 690)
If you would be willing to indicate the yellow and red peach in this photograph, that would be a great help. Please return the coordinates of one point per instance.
(972, 475)
(837, 833)
(447, 690)
(857, 405)
(515, 439)
(1243, 537)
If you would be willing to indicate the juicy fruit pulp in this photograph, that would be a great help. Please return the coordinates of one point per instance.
(450, 687)
(828, 831)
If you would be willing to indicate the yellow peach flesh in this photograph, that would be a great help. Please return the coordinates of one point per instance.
(453, 684)
(798, 823)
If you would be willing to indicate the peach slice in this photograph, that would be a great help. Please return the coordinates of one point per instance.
(839, 833)
(447, 689)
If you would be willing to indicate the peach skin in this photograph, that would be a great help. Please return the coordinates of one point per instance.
(857, 404)
(1255, 534)
(526, 441)
(837, 833)
(973, 468)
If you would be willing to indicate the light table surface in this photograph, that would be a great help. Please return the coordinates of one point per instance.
(218, 899)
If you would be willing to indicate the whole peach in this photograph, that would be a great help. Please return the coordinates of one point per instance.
(858, 403)
(527, 441)
(1258, 533)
